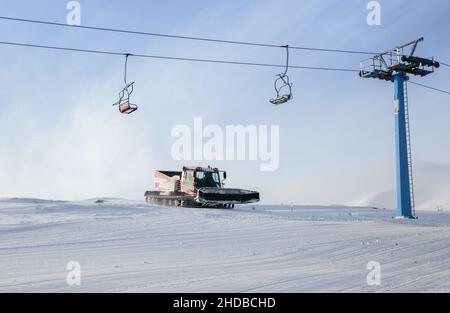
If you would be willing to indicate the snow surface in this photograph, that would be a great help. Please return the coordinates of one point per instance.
(125, 246)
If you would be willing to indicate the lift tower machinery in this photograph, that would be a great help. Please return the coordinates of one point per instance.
(395, 65)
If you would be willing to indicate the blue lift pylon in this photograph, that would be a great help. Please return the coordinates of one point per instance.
(394, 65)
(402, 148)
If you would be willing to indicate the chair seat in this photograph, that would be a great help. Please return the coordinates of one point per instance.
(127, 108)
(281, 99)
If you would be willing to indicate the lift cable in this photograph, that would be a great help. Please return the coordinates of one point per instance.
(176, 58)
(184, 37)
(246, 43)
(196, 60)
(429, 87)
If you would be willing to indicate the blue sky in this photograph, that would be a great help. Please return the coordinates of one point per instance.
(60, 138)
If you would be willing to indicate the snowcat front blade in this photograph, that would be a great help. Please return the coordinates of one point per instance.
(227, 196)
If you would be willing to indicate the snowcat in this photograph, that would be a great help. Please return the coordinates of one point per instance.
(197, 187)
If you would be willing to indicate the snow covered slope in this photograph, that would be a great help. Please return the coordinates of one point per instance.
(125, 246)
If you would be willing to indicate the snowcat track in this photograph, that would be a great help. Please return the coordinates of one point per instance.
(180, 200)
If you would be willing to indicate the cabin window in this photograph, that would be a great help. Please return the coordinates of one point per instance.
(207, 179)
(189, 178)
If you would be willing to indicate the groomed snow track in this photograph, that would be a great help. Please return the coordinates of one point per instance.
(125, 246)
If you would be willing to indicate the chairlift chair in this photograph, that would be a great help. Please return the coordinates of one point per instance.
(284, 79)
(282, 98)
(125, 106)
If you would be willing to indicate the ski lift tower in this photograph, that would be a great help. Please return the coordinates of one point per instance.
(394, 66)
